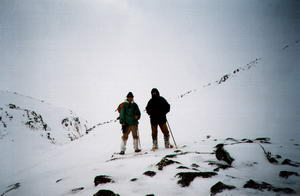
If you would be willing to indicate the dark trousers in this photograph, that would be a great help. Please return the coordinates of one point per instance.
(164, 129)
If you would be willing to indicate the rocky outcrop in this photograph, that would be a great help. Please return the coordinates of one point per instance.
(103, 179)
(220, 187)
(187, 177)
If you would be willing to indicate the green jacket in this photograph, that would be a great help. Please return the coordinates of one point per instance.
(130, 113)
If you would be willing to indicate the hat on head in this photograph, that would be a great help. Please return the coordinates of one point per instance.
(155, 90)
(130, 94)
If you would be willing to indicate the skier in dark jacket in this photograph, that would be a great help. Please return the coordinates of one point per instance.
(129, 116)
(157, 108)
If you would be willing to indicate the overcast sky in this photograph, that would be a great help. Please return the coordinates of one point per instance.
(87, 54)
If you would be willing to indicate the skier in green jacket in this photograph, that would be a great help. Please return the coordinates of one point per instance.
(129, 116)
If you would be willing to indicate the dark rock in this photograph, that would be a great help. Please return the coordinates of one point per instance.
(105, 193)
(187, 177)
(269, 156)
(57, 181)
(231, 139)
(220, 187)
(290, 162)
(264, 140)
(223, 155)
(150, 195)
(219, 165)
(11, 187)
(182, 167)
(195, 165)
(150, 173)
(177, 151)
(208, 136)
(247, 140)
(286, 174)
(76, 190)
(102, 179)
(254, 185)
(278, 156)
(266, 186)
(171, 156)
(165, 162)
(133, 179)
(12, 106)
(284, 190)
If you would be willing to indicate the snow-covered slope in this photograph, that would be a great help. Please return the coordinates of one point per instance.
(30, 127)
(32, 165)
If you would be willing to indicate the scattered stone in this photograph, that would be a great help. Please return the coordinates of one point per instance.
(284, 190)
(102, 179)
(133, 179)
(57, 181)
(266, 186)
(150, 173)
(219, 165)
(208, 136)
(187, 177)
(195, 165)
(182, 167)
(220, 187)
(165, 162)
(264, 140)
(287, 174)
(246, 140)
(278, 156)
(76, 190)
(150, 195)
(290, 162)
(223, 155)
(11, 187)
(171, 156)
(12, 106)
(105, 193)
(177, 151)
(254, 185)
(231, 139)
(269, 156)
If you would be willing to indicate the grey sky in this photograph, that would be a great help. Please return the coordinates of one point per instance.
(87, 54)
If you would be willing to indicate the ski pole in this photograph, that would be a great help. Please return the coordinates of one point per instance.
(172, 134)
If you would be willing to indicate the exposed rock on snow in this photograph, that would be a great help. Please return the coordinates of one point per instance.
(187, 177)
(223, 155)
(269, 156)
(150, 173)
(165, 162)
(266, 186)
(220, 165)
(290, 162)
(106, 193)
(287, 174)
(220, 187)
(103, 179)
(76, 190)
(133, 179)
(11, 187)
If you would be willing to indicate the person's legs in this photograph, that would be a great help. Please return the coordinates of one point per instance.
(154, 136)
(134, 129)
(166, 133)
(124, 140)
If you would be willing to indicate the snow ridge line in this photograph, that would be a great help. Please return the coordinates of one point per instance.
(221, 80)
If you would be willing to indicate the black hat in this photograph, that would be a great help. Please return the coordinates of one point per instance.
(155, 90)
(129, 94)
